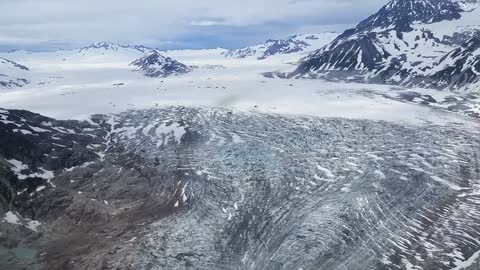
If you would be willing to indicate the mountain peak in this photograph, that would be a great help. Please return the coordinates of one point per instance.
(397, 14)
(102, 45)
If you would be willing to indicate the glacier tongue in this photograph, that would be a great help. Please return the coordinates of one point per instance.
(213, 189)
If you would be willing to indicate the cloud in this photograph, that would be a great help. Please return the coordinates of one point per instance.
(74, 22)
(207, 22)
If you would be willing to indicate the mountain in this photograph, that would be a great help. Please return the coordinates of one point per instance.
(113, 47)
(398, 14)
(196, 188)
(293, 44)
(403, 44)
(12, 74)
(153, 64)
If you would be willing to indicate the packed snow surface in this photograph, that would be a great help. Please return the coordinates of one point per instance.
(73, 84)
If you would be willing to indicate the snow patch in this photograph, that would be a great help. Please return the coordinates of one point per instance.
(16, 219)
(176, 130)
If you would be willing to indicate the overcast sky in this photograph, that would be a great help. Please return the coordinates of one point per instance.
(52, 24)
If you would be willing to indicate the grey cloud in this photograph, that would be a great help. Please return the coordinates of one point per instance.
(34, 22)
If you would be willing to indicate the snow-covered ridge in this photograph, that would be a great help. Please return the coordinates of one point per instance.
(12, 74)
(106, 46)
(292, 44)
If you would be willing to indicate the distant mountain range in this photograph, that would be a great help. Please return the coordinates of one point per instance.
(413, 43)
(148, 60)
(292, 44)
(428, 43)
(107, 46)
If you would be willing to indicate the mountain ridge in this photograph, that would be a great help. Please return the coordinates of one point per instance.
(290, 45)
(13, 74)
(108, 46)
(400, 44)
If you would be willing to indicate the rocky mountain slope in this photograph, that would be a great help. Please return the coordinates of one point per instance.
(188, 188)
(12, 74)
(153, 64)
(408, 42)
(293, 44)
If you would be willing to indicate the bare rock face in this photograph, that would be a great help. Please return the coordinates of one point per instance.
(190, 188)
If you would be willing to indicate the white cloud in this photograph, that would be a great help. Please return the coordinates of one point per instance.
(84, 21)
(207, 22)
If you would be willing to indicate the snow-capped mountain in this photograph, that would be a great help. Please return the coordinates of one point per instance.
(292, 44)
(398, 14)
(153, 64)
(12, 74)
(113, 47)
(407, 42)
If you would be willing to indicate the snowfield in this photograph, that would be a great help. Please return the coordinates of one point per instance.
(76, 84)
